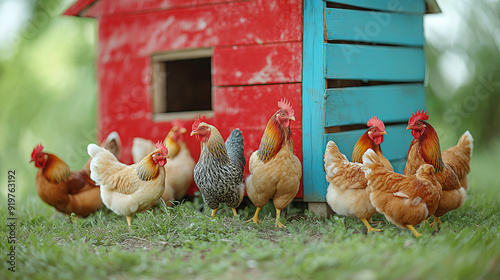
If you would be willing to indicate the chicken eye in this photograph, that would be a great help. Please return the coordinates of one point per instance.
(282, 114)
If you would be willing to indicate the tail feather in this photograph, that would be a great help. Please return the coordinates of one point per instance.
(235, 148)
(371, 161)
(332, 158)
(466, 141)
(100, 158)
(458, 157)
(113, 143)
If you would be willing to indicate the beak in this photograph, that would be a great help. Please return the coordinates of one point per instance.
(292, 118)
(183, 130)
(384, 133)
(409, 127)
(193, 133)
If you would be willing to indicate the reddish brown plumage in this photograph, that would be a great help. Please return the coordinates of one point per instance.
(68, 192)
(273, 138)
(425, 148)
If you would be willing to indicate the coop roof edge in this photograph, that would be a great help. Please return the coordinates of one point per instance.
(79, 6)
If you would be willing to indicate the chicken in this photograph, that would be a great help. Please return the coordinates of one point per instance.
(347, 194)
(275, 171)
(128, 189)
(69, 191)
(179, 168)
(425, 149)
(219, 170)
(405, 200)
(458, 158)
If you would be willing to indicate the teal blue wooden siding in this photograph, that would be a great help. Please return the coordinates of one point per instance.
(355, 105)
(395, 6)
(375, 27)
(382, 45)
(377, 63)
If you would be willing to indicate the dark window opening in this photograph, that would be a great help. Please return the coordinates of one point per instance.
(181, 84)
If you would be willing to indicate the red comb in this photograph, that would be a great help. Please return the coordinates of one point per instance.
(160, 146)
(36, 150)
(373, 121)
(285, 105)
(418, 115)
(197, 121)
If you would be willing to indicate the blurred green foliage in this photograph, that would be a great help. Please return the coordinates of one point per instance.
(48, 92)
(469, 48)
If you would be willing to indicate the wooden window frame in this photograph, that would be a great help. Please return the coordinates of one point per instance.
(158, 84)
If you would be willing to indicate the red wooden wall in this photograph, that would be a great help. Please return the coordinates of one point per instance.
(257, 60)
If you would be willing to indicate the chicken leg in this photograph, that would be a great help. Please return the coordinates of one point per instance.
(255, 218)
(213, 212)
(234, 212)
(414, 231)
(129, 221)
(436, 222)
(368, 226)
(278, 223)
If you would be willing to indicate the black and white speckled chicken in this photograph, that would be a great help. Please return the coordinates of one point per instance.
(219, 171)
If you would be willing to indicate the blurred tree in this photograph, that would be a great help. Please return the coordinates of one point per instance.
(47, 88)
(464, 72)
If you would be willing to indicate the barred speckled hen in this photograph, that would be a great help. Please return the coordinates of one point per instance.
(219, 171)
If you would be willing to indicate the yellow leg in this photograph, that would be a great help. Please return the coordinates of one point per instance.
(414, 230)
(255, 218)
(213, 212)
(129, 221)
(368, 226)
(278, 223)
(234, 212)
(436, 222)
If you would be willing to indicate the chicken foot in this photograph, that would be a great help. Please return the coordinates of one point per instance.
(255, 218)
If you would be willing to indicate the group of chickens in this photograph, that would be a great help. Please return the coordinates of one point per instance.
(433, 183)
(166, 170)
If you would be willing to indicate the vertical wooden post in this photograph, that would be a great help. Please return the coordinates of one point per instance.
(313, 90)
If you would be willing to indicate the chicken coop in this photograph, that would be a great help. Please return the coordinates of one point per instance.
(338, 62)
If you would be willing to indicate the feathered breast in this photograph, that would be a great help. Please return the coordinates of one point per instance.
(364, 143)
(272, 140)
(146, 169)
(430, 149)
(56, 170)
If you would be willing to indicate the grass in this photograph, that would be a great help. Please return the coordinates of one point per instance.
(182, 242)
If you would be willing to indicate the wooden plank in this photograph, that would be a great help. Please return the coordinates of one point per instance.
(313, 89)
(375, 27)
(257, 64)
(377, 63)
(228, 24)
(254, 105)
(386, 5)
(395, 146)
(111, 7)
(355, 105)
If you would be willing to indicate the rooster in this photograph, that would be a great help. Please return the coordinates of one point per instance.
(219, 171)
(275, 171)
(69, 192)
(425, 149)
(347, 194)
(179, 168)
(128, 189)
(405, 200)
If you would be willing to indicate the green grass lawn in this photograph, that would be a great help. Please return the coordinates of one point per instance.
(182, 242)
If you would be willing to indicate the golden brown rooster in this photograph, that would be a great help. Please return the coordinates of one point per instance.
(128, 189)
(347, 193)
(425, 149)
(219, 170)
(69, 191)
(275, 171)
